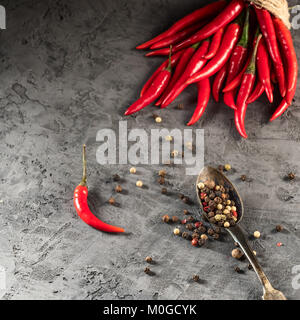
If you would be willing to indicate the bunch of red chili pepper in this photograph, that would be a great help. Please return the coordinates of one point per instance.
(246, 49)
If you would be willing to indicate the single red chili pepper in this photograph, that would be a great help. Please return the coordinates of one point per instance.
(157, 87)
(160, 52)
(267, 28)
(82, 208)
(285, 39)
(206, 12)
(182, 64)
(218, 82)
(215, 44)
(196, 63)
(263, 68)
(233, 10)
(174, 60)
(228, 43)
(236, 62)
(173, 39)
(203, 98)
(244, 93)
(238, 79)
(257, 92)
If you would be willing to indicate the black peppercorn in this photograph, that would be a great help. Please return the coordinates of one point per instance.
(186, 235)
(190, 219)
(186, 200)
(243, 177)
(211, 214)
(161, 180)
(185, 212)
(181, 196)
(212, 220)
(291, 176)
(195, 235)
(196, 278)
(116, 177)
(279, 228)
(221, 168)
(175, 219)
(202, 229)
(210, 232)
(118, 189)
(216, 236)
(237, 269)
(164, 191)
(250, 266)
(201, 242)
(190, 227)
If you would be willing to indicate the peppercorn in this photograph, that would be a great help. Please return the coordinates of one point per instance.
(216, 236)
(169, 138)
(220, 168)
(195, 242)
(226, 224)
(180, 106)
(175, 219)
(210, 184)
(210, 232)
(190, 219)
(139, 184)
(118, 189)
(184, 221)
(186, 235)
(218, 230)
(279, 244)
(148, 259)
(202, 229)
(204, 237)
(279, 228)
(164, 191)
(291, 176)
(206, 199)
(132, 170)
(227, 167)
(148, 271)
(195, 235)
(198, 224)
(212, 220)
(219, 207)
(243, 177)
(196, 278)
(162, 173)
(176, 231)
(161, 180)
(166, 218)
(116, 177)
(158, 119)
(181, 196)
(174, 154)
(237, 253)
(186, 212)
(250, 266)
(256, 234)
(201, 242)
(201, 185)
(237, 269)
(254, 252)
(212, 195)
(211, 214)
(186, 200)
(222, 189)
(217, 188)
(112, 201)
(218, 200)
(190, 227)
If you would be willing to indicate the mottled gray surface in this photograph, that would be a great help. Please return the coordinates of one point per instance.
(68, 69)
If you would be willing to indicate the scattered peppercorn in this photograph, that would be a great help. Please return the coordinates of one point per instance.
(220, 168)
(116, 177)
(186, 235)
(243, 177)
(176, 231)
(164, 191)
(148, 271)
(181, 196)
(148, 259)
(174, 154)
(279, 228)
(216, 236)
(196, 278)
(161, 180)
(118, 189)
(250, 266)
(166, 218)
(132, 170)
(237, 253)
(168, 138)
(139, 184)
(238, 270)
(204, 237)
(210, 232)
(227, 167)
(162, 173)
(279, 244)
(112, 201)
(195, 242)
(175, 219)
(158, 119)
(256, 234)
(186, 200)
(291, 176)
(190, 227)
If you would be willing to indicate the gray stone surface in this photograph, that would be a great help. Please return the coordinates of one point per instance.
(68, 69)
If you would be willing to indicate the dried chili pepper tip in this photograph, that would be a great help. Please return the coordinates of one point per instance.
(256, 234)
(132, 170)
(237, 253)
(166, 218)
(118, 189)
(148, 259)
(139, 184)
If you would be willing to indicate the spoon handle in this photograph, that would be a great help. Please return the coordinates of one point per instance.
(239, 236)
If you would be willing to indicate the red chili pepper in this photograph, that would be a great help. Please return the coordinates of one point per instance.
(236, 62)
(171, 40)
(228, 43)
(215, 44)
(280, 110)
(268, 31)
(82, 208)
(232, 11)
(203, 98)
(182, 64)
(244, 93)
(257, 92)
(263, 68)
(174, 60)
(206, 12)
(157, 87)
(285, 39)
(218, 82)
(196, 63)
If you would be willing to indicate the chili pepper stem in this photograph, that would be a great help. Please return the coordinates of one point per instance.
(83, 180)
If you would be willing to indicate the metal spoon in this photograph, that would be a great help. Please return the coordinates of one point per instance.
(208, 173)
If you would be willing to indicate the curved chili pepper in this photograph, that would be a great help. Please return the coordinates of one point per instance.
(257, 92)
(197, 62)
(206, 12)
(285, 39)
(174, 60)
(157, 87)
(203, 98)
(232, 11)
(218, 82)
(228, 43)
(82, 208)
(171, 40)
(244, 93)
(238, 79)
(267, 28)
(236, 62)
(263, 68)
(182, 64)
(280, 110)
(215, 44)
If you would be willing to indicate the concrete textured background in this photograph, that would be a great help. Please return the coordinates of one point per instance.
(69, 69)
